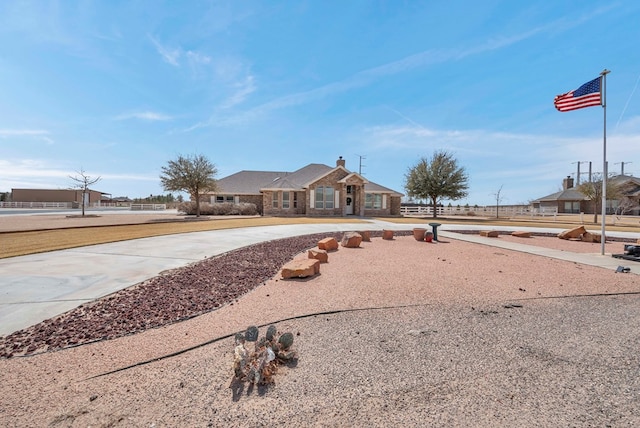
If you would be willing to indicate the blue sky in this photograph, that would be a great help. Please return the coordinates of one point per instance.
(119, 88)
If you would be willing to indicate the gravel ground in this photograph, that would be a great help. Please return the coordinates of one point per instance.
(396, 332)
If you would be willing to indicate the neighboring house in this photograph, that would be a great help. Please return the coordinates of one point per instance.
(313, 190)
(571, 200)
(629, 189)
(73, 196)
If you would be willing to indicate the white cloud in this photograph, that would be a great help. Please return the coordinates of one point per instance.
(144, 115)
(242, 90)
(22, 132)
(169, 55)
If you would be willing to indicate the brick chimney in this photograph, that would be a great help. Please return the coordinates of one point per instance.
(567, 183)
(341, 162)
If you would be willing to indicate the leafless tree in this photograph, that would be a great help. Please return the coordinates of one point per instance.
(82, 181)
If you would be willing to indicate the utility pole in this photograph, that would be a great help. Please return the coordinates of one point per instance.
(578, 173)
(622, 166)
(360, 167)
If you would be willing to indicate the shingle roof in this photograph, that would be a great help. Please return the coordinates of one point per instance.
(252, 182)
(564, 195)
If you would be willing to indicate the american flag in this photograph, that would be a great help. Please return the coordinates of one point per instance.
(587, 95)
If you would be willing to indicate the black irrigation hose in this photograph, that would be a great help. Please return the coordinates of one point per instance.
(217, 339)
(338, 311)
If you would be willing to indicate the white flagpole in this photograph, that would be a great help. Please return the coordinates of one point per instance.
(603, 92)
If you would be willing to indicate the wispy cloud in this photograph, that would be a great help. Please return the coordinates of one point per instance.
(242, 90)
(144, 115)
(367, 77)
(37, 134)
(22, 132)
(169, 55)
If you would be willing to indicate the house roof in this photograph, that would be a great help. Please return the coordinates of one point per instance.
(564, 195)
(254, 182)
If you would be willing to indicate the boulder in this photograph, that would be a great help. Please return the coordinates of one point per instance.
(301, 268)
(320, 255)
(387, 234)
(328, 244)
(574, 233)
(366, 235)
(351, 240)
(521, 234)
(591, 237)
(489, 233)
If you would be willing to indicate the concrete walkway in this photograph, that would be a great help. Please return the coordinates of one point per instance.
(37, 287)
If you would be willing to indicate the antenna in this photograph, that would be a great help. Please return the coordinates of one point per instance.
(360, 167)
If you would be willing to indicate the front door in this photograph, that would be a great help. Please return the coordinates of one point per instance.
(350, 200)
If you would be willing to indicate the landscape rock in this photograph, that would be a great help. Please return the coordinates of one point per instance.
(328, 244)
(320, 255)
(351, 240)
(591, 237)
(521, 234)
(301, 268)
(489, 233)
(575, 233)
(366, 235)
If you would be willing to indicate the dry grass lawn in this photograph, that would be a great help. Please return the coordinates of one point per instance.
(38, 241)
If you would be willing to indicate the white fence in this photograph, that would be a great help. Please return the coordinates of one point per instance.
(36, 204)
(487, 211)
(148, 207)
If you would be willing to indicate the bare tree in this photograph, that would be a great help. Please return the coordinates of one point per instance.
(498, 199)
(593, 191)
(82, 181)
(193, 174)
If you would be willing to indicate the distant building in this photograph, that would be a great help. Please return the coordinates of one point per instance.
(73, 196)
(571, 201)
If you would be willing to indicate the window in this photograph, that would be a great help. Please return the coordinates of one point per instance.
(274, 202)
(285, 200)
(295, 200)
(324, 198)
(373, 201)
(224, 198)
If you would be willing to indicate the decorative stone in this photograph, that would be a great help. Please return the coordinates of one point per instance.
(489, 233)
(351, 240)
(387, 234)
(574, 233)
(328, 244)
(318, 255)
(301, 268)
(366, 235)
(418, 233)
(521, 234)
(591, 237)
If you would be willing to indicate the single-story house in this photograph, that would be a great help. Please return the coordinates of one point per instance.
(73, 196)
(313, 190)
(570, 200)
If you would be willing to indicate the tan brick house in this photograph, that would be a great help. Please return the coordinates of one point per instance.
(313, 190)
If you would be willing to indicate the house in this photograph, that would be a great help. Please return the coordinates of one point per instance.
(313, 190)
(571, 201)
(71, 196)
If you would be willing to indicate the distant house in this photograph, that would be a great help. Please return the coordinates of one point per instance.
(571, 201)
(72, 196)
(313, 190)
